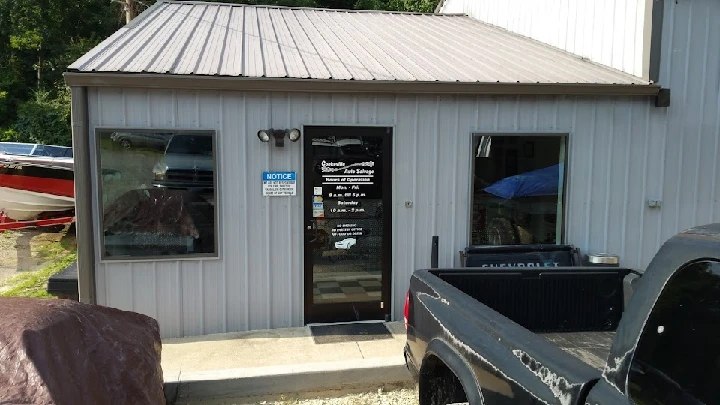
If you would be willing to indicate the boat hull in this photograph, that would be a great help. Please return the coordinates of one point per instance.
(22, 205)
(31, 186)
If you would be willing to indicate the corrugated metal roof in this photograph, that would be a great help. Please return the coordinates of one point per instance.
(214, 39)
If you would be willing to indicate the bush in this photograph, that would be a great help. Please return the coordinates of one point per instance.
(45, 119)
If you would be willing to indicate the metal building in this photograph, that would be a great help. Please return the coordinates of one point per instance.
(250, 167)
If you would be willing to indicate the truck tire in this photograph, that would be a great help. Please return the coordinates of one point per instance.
(441, 387)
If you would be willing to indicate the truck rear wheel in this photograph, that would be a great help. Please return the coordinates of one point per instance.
(439, 385)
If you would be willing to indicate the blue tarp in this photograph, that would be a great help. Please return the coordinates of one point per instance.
(535, 183)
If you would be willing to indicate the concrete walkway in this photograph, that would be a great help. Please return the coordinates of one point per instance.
(279, 361)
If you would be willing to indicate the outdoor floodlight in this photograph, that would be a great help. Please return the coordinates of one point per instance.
(279, 135)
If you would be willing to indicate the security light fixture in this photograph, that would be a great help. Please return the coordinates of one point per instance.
(279, 135)
(263, 135)
(294, 134)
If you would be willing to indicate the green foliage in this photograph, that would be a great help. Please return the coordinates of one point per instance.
(34, 283)
(45, 119)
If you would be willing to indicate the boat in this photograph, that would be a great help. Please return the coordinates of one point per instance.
(37, 184)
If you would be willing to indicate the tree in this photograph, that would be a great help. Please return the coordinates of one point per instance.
(38, 39)
(45, 119)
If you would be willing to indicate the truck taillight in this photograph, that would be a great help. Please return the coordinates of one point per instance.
(407, 308)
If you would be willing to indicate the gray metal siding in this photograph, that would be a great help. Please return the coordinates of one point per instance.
(612, 32)
(615, 164)
(691, 69)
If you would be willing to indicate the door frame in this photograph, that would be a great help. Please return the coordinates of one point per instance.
(311, 313)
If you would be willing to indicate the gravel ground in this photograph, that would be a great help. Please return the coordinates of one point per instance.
(397, 397)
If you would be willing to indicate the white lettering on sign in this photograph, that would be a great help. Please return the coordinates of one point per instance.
(550, 264)
(329, 167)
(347, 230)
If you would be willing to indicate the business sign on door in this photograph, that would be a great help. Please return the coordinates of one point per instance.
(279, 184)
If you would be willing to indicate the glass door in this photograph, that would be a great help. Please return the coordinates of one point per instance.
(347, 223)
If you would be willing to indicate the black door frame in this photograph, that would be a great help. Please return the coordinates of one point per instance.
(342, 312)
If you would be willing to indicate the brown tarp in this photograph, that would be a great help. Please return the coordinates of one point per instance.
(66, 352)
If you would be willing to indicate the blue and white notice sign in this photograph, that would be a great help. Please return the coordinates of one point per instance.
(278, 184)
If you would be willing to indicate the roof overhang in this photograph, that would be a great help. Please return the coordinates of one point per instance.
(195, 82)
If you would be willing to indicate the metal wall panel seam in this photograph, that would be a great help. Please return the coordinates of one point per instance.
(588, 196)
(224, 254)
(569, 172)
(644, 185)
(268, 224)
(414, 180)
(201, 292)
(291, 267)
(685, 101)
(436, 166)
(247, 240)
(608, 189)
(393, 248)
(701, 121)
(457, 135)
(628, 134)
(715, 178)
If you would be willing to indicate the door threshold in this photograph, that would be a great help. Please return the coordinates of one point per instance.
(344, 322)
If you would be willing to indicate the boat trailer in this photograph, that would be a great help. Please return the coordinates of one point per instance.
(63, 219)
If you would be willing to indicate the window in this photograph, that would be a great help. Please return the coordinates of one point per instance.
(517, 189)
(677, 360)
(157, 191)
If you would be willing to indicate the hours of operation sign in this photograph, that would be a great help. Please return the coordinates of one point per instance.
(279, 184)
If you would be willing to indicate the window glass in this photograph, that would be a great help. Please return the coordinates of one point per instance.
(677, 360)
(158, 193)
(517, 189)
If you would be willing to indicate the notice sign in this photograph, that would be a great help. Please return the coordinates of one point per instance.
(279, 184)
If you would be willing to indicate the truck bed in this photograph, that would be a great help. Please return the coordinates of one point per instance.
(591, 348)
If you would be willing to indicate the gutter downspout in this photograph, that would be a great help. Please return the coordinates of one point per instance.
(83, 195)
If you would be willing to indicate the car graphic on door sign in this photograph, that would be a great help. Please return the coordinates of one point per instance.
(345, 243)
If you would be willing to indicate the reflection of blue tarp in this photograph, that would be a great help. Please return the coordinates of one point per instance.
(535, 183)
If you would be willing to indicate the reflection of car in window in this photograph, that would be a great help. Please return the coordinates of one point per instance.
(140, 140)
(187, 164)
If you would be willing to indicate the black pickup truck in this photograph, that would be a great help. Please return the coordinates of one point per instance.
(563, 335)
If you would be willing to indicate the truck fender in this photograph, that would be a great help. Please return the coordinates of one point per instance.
(458, 366)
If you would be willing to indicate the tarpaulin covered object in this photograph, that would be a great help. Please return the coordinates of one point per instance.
(65, 352)
(541, 182)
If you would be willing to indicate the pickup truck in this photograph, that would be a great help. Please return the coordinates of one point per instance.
(563, 335)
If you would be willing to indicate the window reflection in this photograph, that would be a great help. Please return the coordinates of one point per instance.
(517, 189)
(158, 197)
(677, 360)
